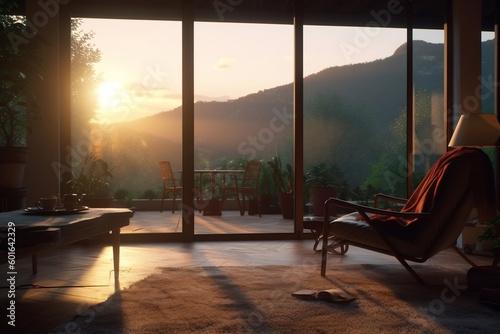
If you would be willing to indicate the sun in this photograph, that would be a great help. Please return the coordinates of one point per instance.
(110, 94)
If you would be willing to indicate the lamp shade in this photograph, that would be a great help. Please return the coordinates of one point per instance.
(476, 130)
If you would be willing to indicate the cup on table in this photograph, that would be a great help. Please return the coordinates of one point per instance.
(47, 203)
(70, 201)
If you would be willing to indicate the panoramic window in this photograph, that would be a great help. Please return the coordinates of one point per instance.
(126, 107)
(429, 117)
(127, 114)
(354, 102)
(243, 113)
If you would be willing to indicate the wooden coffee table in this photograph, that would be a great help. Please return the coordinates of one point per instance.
(29, 233)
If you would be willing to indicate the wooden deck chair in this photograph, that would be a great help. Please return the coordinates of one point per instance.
(169, 184)
(248, 186)
(430, 221)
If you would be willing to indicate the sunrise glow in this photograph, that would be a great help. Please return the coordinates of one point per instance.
(110, 94)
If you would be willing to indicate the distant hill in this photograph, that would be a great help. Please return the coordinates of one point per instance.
(375, 91)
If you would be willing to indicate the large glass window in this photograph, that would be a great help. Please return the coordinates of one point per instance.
(126, 109)
(243, 112)
(429, 135)
(354, 99)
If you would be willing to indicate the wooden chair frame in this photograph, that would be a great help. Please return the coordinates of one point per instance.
(169, 184)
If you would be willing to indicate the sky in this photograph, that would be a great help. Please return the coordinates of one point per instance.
(141, 63)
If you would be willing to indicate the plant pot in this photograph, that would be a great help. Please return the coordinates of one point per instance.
(12, 165)
(318, 198)
(287, 205)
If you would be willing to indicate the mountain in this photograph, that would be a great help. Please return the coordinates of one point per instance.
(370, 83)
(367, 97)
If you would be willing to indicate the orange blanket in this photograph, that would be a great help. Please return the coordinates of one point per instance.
(424, 197)
(422, 200)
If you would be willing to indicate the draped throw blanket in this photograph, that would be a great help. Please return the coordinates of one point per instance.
(424, 198)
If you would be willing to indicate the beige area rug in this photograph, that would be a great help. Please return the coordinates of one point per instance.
(258, 300)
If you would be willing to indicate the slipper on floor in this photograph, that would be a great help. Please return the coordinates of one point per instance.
(330, 295)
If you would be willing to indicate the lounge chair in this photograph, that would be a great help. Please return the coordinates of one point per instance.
(430, 221)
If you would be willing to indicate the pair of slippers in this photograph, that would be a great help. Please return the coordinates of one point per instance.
(330, 295)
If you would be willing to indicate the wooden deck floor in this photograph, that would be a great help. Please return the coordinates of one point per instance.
(229, 222)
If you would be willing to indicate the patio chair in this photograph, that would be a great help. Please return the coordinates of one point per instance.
(248, 186)
(169, 185)
(430, 221)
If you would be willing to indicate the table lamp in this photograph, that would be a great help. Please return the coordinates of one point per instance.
(476, 130)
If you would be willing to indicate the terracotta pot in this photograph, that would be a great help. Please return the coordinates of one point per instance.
(287, 205)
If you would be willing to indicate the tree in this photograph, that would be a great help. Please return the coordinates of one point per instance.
(20, 67)
(335, 133)
(389, 173)
(84, 80)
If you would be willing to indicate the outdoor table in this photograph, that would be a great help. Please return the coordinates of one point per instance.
(213, 206)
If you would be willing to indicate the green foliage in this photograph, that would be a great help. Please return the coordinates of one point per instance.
(20, 68)
(491, 233)
(365, 194)
(266, 182)
(334, 130)
(84, 79)
(325, 175)
(124, 196)
(128, 200)
(120, 194)
(93, 179)
(388, 174)
(282, 177)
(150, 194)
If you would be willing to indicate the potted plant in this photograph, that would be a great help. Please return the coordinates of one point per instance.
(491, 233)
(283, 181)
(322, 181)
(20, 67)
(92, 183)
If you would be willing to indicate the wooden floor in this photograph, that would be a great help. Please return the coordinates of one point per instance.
(75, 277)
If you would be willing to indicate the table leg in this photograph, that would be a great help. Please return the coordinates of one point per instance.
(115, 236)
